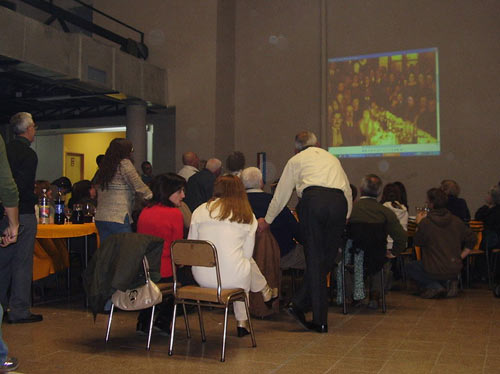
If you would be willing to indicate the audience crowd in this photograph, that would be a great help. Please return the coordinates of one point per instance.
(331, 227)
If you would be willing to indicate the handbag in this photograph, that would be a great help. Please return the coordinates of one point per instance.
(142, 297)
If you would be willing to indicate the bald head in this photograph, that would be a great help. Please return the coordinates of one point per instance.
(191, 159)
(214, 165)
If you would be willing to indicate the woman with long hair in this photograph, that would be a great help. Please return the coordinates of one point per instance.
(118, 183)
(162, 218)
(228, 222)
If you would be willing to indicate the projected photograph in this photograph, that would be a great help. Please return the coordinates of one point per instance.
(384, 104)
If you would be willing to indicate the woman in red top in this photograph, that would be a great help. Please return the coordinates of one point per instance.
(163, 219)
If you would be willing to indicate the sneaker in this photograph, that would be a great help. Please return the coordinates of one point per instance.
(30, 319)
(10, 364)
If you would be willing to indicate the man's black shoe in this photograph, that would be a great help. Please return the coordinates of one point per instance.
(30, 319)
(298, 315)
(318, 328)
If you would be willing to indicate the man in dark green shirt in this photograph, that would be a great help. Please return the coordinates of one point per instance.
(369, 211)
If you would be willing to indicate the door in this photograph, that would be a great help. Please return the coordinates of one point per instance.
(74, 167)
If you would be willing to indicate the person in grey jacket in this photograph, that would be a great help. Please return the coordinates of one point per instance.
(118, 183)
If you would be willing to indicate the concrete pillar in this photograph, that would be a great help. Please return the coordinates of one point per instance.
(136, 131)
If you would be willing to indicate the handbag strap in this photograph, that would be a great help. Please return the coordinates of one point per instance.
(145, 264)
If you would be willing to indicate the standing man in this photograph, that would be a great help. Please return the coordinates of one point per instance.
(16, 261)
(200, 187)
(191, 165)
(10, 199)
(325, 204)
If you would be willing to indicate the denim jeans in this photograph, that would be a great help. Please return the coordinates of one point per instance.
(106, 228)
(417, 272)
(16, 264)
(3, 346)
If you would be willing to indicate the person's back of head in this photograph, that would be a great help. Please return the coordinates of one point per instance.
(63, 183)
(23, 125)
(251, 177)
(99, 159)
(305, 139)
(231, 200)
(214, 165)
(391, 193)
(437, 198)
(494, 193)
(191, 159)
(235, 161)
(371, 185)
(450, 187)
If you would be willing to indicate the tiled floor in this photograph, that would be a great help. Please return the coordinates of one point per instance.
(459, 335)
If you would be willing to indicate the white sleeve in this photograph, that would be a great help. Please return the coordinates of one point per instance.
(282, 193)
(249, 243)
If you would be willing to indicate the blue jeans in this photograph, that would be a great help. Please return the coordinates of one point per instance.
(417, 272)
(106, 228)
(16, 264)
(3, 346)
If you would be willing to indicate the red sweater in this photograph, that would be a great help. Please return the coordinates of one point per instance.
(166, 223)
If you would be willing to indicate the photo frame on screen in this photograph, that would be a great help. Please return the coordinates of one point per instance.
(384, 104)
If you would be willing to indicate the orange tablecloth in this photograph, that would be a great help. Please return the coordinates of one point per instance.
(51, 252)
(65, 231)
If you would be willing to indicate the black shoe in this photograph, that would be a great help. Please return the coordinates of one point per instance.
(163, 326)
(318, 328)
(242, 332)
(298, 315)
(270, 302)
(30, 319)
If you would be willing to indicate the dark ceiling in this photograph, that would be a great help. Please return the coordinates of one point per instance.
(48, 98)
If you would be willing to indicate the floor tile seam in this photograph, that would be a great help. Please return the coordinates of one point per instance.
(293, 356)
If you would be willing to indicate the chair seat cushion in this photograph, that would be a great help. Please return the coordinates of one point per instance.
(166, 288)
(206, 294)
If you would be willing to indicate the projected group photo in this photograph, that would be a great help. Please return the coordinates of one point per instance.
(384, 104)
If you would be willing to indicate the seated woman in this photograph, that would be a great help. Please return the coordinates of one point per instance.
(456, 205)
(228, 222)
(163, 219)
(490, 215)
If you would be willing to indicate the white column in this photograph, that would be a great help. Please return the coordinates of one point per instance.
(136, 131)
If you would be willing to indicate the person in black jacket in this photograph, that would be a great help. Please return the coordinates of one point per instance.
(456, 205)
(16, 261)
(200, 187)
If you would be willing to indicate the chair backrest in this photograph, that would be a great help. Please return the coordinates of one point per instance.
(412, 226)
(195, 253)
(477, 227)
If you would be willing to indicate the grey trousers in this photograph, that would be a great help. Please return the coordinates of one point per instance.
(16, 270)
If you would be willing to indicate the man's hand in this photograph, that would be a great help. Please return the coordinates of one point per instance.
(263, 225)
(9, 235)
(389, 254)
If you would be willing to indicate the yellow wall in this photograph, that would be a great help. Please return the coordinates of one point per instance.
(90, 145)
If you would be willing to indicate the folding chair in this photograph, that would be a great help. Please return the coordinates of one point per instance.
(202, 253)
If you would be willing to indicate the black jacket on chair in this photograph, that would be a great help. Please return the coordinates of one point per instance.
(372, 239)
(117, 265)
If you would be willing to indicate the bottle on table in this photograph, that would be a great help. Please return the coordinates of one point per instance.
(44, 208)
(59, 215)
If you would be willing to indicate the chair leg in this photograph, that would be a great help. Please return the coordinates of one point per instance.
(150, 326)
(110, 319)
(252, 334)
(202, 326)
(223, 354)
(344, 303)
(186, 321)
(382, 290)
(172, 331)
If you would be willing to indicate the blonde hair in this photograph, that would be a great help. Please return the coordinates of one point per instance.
(231, 200)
